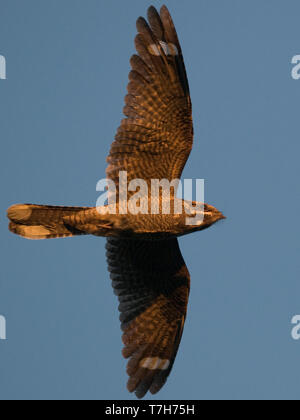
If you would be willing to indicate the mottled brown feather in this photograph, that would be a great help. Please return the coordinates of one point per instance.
(156, 137)
(153, 142)
(152, 283)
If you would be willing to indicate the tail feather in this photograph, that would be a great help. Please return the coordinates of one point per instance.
(43, 222)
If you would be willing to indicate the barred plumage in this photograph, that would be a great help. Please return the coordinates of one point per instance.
(148, 273)
(156, 138)
(152, 283)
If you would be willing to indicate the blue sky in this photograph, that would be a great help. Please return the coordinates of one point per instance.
(67, 67)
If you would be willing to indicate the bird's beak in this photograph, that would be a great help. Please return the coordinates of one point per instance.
(220, 216)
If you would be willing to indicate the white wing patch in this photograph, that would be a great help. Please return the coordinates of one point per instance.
(153, 363)
(168, 49)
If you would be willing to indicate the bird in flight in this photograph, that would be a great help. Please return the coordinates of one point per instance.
(147, 269)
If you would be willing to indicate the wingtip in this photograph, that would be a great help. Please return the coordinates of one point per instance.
(164, 8)
(152, 8)
(165, 11)
(152, 11)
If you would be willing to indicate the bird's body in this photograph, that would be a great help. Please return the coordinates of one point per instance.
(41, 222)
(147, 270)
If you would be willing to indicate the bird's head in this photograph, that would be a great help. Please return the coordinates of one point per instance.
(199, 216)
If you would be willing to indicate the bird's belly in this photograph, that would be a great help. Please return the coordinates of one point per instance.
(143, 227)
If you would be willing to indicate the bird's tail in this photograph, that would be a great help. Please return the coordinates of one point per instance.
(46, 222)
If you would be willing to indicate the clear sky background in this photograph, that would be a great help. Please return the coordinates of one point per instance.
(67, 68)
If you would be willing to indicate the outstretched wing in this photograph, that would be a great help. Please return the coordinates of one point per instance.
(152, 283)
(155, 140)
